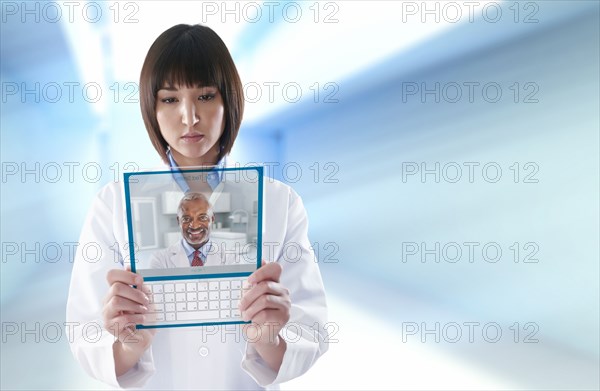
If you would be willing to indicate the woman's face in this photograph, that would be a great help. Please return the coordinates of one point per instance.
(191, 120)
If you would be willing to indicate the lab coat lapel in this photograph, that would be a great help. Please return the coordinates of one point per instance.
(177, 256)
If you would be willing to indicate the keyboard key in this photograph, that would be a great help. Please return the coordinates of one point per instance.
(236, 294)
(169, 288)
(170, 316)
(180, 287)
(224, 285)
(157, 298)
(203, 286)
(157, 288)
(225, 295)
(202, 296)
(156, 308)
(213, 295)
(192, 306)
(213, 286)
(170, 297)
(170, 307)
(192, 296)
(225, 304)
(225, 314)
(180, 296)
(181, 307)
(202, 305)
(236, 313)
(151, 318)
(213, 305)
(235, 303)
(198, 315)
(159, 317)
(236, 284)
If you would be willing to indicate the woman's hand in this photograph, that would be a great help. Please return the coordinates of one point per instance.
(124, 307)
(267, 304)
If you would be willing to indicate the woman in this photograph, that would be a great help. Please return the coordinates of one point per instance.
(192, 103)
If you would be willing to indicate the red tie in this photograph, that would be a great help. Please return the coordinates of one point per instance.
(197, 261)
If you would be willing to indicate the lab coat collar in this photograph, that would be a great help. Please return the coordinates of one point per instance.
(213, 180)
(189, 250)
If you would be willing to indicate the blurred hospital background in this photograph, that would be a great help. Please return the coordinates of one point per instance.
(447, 154)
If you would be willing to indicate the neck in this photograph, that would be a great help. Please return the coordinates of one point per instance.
(208, 159)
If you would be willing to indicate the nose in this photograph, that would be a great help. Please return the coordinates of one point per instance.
(189, 116)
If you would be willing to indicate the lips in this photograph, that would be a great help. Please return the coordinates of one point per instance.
(196, 234)
(192, 137)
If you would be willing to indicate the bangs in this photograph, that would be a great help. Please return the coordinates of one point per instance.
(188, 63)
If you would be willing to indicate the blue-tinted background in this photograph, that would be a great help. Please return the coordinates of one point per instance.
(410, 129)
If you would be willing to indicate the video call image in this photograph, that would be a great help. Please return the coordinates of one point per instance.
(196, 221)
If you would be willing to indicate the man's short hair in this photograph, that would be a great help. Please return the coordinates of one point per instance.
(193, 197)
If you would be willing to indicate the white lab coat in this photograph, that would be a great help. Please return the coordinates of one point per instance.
(209, 357)
(175, 256)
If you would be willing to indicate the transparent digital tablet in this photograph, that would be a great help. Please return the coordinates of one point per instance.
(195, 236)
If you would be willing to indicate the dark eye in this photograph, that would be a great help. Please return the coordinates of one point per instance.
(206, 97)
(168, 100)
(204, 218)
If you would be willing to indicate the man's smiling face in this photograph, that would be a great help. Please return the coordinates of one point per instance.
(195, 221)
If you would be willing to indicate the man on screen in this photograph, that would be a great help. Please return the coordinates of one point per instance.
(195, 218)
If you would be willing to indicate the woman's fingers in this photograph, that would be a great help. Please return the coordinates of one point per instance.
(267, 272)
(116, 304)
(124, 305)
(120, 289)
(267, 303)
(266, 300)
(127, 321)
(124, 276)
(262, 288)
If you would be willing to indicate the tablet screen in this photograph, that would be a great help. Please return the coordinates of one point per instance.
(194, 221)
